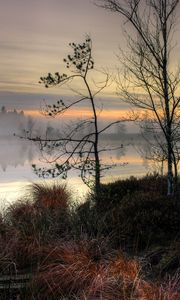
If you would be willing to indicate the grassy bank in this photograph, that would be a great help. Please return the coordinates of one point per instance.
(123, 245)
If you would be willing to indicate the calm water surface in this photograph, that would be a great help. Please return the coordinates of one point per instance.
(17, 156)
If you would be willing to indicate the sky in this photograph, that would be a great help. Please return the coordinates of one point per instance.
(34, 38)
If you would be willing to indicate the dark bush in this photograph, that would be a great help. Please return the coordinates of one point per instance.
(86, 220)
(133, 213)
(144, 218)
(113, 193)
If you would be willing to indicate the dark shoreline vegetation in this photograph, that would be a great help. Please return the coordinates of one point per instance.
(123, 245)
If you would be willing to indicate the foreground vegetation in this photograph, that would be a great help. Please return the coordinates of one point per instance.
(123, 245)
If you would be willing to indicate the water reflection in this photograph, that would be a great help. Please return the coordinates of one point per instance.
(17, 155)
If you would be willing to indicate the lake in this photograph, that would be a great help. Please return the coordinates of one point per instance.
(17, 157)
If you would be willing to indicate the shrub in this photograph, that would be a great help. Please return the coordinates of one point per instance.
(113, 193)
(142, 219)
(86, 220)
(164, 260)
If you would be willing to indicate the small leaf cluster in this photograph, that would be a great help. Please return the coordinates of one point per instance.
(81, 58)
(54, 109)
(53, 145)
(87, 167)
(52, 80)
(57, 171)
(49, 146)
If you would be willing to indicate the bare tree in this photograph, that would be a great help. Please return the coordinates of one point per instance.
(149, 82)
(155, 147)
(78, 145)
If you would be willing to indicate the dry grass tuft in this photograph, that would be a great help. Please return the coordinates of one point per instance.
(69, 268)
(167, 290)
(81, 269)
(50, 196)
(127, 268)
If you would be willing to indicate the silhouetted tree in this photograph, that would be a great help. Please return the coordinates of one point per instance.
(79, 146)
(156, 147)
(148, 82)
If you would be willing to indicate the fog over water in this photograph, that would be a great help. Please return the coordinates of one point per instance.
(20, 112)
(17, 155)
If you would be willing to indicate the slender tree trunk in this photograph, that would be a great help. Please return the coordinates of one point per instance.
(167, 106)
(96, 144)
(97, 170)
(96, 152)
(175, 173)
(170, 172)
